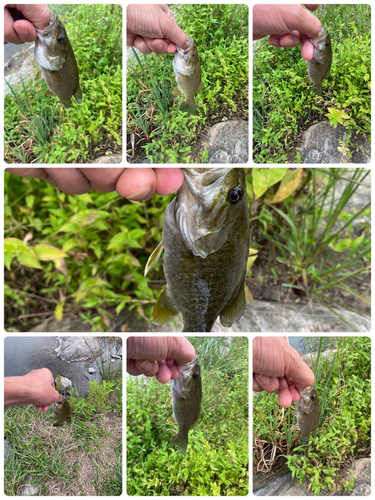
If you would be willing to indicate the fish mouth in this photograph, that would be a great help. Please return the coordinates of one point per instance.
(52, 25)
(191, 363)
(189, 45)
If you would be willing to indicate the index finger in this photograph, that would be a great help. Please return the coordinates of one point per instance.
(38, 15)
(178, 348)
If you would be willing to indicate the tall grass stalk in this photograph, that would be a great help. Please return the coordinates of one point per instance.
(161, 92)
(39, 126)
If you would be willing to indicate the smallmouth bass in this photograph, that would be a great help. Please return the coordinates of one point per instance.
(186, 400)
(206, 246)
(320, 65)
(308, 412)
(62, 411)
(57, 62)
(187, 69)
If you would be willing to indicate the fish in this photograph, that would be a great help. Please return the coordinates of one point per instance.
(206, 245)
(308, 412)
(58, 66)
(320, 65)
(186, 400)
(62, 411)
(187, 69)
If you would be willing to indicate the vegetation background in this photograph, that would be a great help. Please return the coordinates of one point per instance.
(217, 457)
(160, 130)
(343, 383)
(38, 129)
(282, 106)
(84, 256)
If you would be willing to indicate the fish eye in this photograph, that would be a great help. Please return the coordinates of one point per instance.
(235, 195)
(196, 376)
(60, 39)
(194, 54)
(328, 44)
(313, 397)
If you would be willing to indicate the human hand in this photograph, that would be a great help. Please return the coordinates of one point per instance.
(152, 28)
(277, 367)
(133, 183)
(20, 21)
(157, 356)
(36, 388)
(287, 25)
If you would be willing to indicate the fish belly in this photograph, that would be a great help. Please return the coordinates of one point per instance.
(202, 288)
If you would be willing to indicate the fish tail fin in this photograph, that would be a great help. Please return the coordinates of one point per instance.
(180, 442)
(317, 90)
(189, 106)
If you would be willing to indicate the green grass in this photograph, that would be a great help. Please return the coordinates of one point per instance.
(343, 382)
(46, 132)
(81, 459)
(216, 461)
(282, 105)
(221, 35)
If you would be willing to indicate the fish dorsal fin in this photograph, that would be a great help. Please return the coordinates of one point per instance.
(234, 309)
(154, 257)
(169, 401)
(172, 420)
(164, 310)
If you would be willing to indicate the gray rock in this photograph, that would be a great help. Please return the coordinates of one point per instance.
(20, 63)
(28, 490)
(91, 370)
(7, 449)
(363, 490)
(320, 143)
(108, 159)
(66, 385)
(228, 142)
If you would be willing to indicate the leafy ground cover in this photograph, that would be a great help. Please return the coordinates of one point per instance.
(282, 106)
(38, 129)
(155, 125)
(216, 461)
(343, 382)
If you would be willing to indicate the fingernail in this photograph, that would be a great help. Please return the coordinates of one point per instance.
(159, 46)
(146, 366)
(22, 32)
(288, 43)
(264, 380)
(141, 194)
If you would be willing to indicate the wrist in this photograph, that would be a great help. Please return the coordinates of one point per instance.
(16, 392)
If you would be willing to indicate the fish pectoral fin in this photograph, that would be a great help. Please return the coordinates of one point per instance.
(164, 310)
(169, 401)
(69, 420)
(201, 86)
(78, 95)
(38, 76)
(154, 257)
(172, 420)
(176, 91)
(234, 309)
